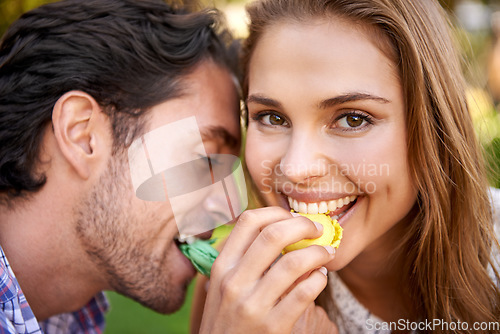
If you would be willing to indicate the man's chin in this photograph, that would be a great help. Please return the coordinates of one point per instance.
(163, 304)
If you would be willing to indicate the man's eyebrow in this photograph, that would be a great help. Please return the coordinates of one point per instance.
(350, 97)
(264, 101)
(218, 132)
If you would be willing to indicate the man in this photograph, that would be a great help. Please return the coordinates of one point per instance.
(80, 81)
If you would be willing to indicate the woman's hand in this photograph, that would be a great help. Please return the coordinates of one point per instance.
(252, 292)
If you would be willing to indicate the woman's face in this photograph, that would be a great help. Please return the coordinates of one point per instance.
(327, 130)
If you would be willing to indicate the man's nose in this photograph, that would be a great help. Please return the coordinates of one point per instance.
(218, 207)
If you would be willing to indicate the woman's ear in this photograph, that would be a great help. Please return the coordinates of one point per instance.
(78, 124)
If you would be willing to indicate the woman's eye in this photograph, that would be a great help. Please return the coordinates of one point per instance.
(274, 119)
(353, 121)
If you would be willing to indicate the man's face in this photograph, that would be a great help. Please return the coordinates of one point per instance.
(132, 240)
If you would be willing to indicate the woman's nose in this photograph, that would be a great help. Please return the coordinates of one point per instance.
(303, 161)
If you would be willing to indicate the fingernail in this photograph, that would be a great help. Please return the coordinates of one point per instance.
(318, 226)
(330, 249)
(323, 271)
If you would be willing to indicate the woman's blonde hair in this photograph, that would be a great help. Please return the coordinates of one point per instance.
(448, 246)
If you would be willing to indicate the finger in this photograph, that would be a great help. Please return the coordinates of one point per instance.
(246, 229)
(270, 242)
(296, 302)
(290, 270)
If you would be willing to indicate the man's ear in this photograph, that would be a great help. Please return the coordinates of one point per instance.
(78, 124)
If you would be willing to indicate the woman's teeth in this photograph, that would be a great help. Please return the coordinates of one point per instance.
(321, 207)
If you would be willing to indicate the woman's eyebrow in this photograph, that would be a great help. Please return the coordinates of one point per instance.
(331, 102)
(350, 97)
(256, 98)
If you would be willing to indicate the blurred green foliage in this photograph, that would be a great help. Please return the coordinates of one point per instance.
(12, 9)
(492, 151)
(476, 50)
(128, 317)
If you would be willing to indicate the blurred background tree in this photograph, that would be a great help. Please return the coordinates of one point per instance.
(12, 9)
(477, 28)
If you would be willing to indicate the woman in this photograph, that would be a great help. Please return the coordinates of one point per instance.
(359, 107)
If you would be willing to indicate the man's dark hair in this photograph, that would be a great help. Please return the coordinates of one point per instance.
(128, 54)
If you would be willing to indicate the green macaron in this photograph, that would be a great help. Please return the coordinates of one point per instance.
(201, 254)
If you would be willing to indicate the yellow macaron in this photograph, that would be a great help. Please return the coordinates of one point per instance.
(332, 233)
